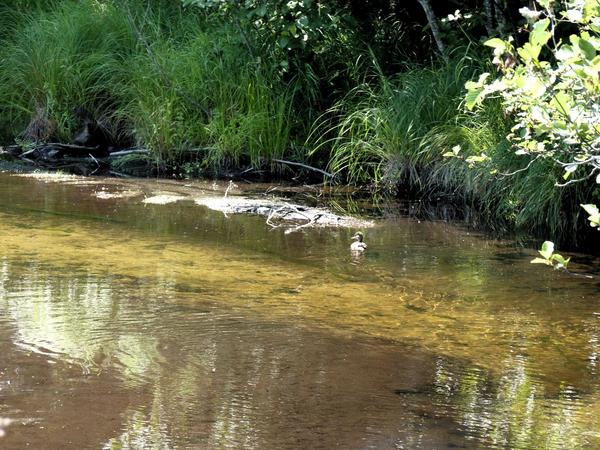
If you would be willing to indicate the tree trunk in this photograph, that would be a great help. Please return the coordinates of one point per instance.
(499, 8)
(435, 29)
(488, 8)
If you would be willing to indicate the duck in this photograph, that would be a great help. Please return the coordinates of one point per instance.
(359, 245)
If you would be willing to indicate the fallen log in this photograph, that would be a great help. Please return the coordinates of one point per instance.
(80, 159)
(280, 213)
(71, 146)
(11, 150)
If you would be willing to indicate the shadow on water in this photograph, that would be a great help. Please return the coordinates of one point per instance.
(170, 326)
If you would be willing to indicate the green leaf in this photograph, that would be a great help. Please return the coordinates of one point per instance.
(454, 153)
(541, 261)
(496, 43)
(261, 11)
(474, 95)
(569, 170)
(535, 86)
(303, 21)
(539, 36)
(547, 249)
(562, 102)
(477, 158)
(529, 52)
(591, 10)
(293, 30)
(592, 210)
(572, 15)
(562, 262)
(564, 53)
(283, 42)
(587, 48)
(475, 91)
(594, 213)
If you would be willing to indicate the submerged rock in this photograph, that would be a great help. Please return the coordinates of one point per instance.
(163, 199)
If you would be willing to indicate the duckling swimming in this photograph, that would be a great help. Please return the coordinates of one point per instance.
(359, 245)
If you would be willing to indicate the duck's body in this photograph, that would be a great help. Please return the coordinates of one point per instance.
(359, 245)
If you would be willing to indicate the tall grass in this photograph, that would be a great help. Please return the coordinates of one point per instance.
(58, 61)
(386, 124)
(153, 75)
(394, 131)
(205, 95)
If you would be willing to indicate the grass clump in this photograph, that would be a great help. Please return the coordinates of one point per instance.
(393, 132)
(204, 96)
(57, 61)
(394, 128)
(150, 75)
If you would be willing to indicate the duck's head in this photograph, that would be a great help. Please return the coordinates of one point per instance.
(358, 236)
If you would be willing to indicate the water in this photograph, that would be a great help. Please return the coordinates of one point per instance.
(132, 326)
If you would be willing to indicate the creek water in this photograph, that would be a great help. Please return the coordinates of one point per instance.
(126, 325)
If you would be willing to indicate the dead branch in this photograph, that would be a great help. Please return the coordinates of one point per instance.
(129, 152)
(305, 166)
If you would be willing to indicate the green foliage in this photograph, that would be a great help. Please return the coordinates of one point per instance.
(155, 76)
(206, 96)
(309, 43)
(551, 88)
(437, 151)
(550, 258)
(288, 25)
(387, 127)
(594, 215)
(228, 84)
(59, 61)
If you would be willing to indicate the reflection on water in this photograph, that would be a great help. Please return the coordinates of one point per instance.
(125, 326)
(517, 411)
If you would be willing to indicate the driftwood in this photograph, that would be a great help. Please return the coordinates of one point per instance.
(128, 152)
(79, 159)
(89, 160)
(280, 213)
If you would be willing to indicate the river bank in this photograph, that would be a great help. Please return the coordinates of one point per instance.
(279, 196)
(186, 87)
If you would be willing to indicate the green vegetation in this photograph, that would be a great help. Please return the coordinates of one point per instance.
(156, 78)
(594, 215)
(550, 258)
(53, 62)
(551, 89)
(364, 91)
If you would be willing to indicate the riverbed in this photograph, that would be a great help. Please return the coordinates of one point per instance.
(128, 324)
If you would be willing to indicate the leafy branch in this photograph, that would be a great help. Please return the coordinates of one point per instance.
(549, 258)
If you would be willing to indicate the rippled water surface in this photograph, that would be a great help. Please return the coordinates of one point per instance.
(126, 325)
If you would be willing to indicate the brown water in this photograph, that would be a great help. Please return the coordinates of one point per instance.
(132, 326)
